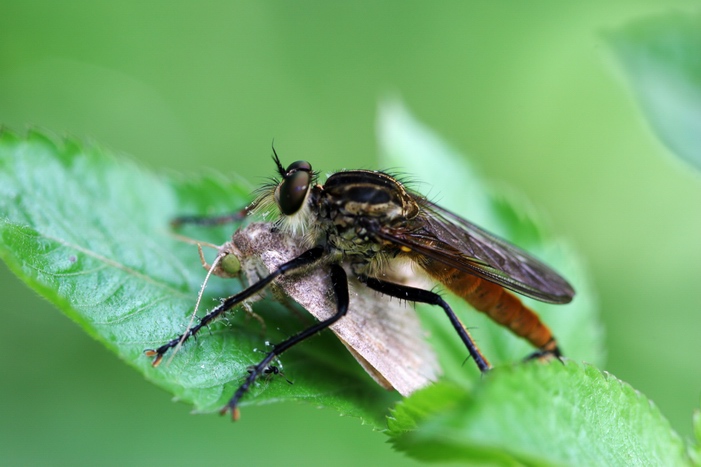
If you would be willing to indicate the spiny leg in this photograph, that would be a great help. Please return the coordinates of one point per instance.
(272, 370)
(414, 294)
(340, 288)
(305, 259)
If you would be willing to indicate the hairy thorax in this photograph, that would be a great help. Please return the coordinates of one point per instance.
(353, 207)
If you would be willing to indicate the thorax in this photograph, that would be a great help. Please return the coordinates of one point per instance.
(353, 206)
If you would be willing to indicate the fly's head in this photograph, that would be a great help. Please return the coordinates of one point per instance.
(288, 199)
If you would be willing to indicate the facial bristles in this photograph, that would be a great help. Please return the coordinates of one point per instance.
(266, 207)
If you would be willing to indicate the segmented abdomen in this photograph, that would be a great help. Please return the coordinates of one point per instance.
(496, 302)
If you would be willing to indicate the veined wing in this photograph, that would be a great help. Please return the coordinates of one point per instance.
(448, 238)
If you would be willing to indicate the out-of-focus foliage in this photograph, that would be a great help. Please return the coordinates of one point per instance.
(661, 57)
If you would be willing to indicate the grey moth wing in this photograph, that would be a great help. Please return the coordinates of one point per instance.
(382, 333)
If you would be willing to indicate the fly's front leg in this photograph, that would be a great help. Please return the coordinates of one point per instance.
(340, 288)
(412, 294)
(305, 259)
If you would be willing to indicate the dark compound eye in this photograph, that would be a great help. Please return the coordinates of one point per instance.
(291, 193)
(299, 165)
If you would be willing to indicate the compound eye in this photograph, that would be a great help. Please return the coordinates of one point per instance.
(291, 193)
(299, 165)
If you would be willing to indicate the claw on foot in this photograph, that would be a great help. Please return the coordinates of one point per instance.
(545, 355)
(235, 412)
(153, 353)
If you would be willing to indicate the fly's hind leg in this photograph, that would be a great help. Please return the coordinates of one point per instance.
(547, 352)
(413, 294)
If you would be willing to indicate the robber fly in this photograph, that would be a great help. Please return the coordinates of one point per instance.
(367, 220)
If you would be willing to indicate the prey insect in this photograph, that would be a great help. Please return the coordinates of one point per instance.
(366, 222)
(382, 333)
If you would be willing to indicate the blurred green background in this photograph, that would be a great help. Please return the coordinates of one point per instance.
(528, 89)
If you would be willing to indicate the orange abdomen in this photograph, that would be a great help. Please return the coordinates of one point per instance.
(496, 302)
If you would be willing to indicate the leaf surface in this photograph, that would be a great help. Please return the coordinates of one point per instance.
(537, 414)
(91, 234)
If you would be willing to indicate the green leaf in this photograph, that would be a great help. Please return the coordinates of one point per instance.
(537, 414)
(91, 234)
(661, 57)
